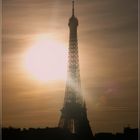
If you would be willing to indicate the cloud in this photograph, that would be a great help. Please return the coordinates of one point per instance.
(107, 35)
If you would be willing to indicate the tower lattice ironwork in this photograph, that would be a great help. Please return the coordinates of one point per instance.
(74, 113)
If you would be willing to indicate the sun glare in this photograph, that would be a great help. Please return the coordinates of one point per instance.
(46, 60)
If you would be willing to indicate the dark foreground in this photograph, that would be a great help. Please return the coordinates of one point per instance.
(59, 134)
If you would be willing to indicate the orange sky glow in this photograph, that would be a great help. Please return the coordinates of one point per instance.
(35, 46)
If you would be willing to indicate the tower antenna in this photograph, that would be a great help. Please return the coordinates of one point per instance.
(73, 7)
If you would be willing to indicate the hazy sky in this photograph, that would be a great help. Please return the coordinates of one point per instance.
(108, 49)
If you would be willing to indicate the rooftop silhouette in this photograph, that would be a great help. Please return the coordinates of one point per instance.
(61, 134)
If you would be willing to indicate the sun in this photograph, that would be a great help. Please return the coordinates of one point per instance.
(46, 60)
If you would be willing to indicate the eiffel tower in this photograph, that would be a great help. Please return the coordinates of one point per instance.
(74, 113)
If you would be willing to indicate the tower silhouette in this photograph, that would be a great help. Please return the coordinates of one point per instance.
(74, 113)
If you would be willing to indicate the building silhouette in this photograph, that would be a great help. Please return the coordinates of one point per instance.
(74, 113)
(62, 134)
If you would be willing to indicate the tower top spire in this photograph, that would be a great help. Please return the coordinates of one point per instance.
(73, 21)
(73, 7)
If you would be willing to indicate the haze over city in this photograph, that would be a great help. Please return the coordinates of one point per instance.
(37, 31)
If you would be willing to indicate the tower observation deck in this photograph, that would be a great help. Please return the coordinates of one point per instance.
(74, 113)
